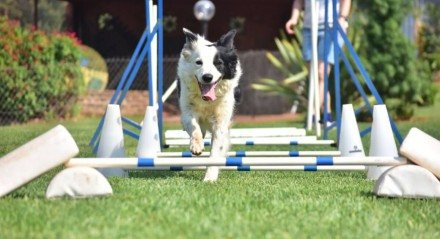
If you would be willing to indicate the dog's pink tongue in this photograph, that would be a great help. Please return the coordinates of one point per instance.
(208, 92)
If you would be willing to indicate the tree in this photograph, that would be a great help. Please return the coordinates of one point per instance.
(391, 59)
(51, 13)
(429, 39)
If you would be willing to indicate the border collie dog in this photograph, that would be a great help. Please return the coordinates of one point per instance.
(208, 75)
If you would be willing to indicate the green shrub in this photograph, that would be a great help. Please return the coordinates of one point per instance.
(429, 39)
(39, 73)
(401, 78)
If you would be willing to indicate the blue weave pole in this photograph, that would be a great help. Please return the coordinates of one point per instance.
(131, 122)
(131, 134)
(137, 66)
(367, 79)
(365, 131)
(131, 78)
(121, 83)
(357, 82)
(132, 68)
(160, 69)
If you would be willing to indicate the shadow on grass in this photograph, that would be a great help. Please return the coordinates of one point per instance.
(165, 174)
(368, 194)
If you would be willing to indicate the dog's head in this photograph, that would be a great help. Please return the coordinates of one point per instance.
(210, 62)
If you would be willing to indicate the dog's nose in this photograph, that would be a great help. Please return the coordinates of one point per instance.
(207, 78)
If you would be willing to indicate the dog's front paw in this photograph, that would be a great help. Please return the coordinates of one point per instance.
(211, 174)
(196, 146)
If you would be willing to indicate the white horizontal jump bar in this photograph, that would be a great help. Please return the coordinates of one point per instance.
(187, 154)
(133, 163)
(245, 133)
(304, 140)
(310, 168)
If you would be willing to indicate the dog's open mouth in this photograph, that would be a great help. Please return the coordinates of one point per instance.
(208, 91)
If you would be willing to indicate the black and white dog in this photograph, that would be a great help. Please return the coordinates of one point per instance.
(208, 73)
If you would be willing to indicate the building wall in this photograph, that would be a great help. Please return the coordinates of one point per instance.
(118, 36)
(263, 20)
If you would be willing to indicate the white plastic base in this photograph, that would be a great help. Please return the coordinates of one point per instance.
(350, 143)
(36, 157)
(78, 182)
(423, 150)
(382, 140)
(111, 143)
(408, 181)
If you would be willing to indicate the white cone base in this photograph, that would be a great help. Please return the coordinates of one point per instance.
(423, 150)
(350, 143)
(408, 181)
(382, 140)
(149, 142)
(78, 182)
(111, 143)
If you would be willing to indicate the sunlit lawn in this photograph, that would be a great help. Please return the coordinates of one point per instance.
(240, 205)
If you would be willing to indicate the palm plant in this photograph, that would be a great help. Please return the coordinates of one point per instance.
(293, 69)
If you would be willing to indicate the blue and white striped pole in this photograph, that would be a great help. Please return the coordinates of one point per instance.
(260, 141)
(188, 154)
(139, 163)
(307, 168)
(246, 133)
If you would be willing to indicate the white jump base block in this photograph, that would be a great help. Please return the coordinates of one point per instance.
(138, 163)
(245, 133)
(78, 182)
(36, 157)
(408, 181)
(423, 150)
(187, 154)
(306, 140)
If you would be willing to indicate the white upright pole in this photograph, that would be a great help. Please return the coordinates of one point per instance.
(314, 64)
(310, 97)
(153, 20)
(169, 91)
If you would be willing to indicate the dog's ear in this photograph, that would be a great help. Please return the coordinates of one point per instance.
(190, 36)
(227, 40)
(186, 53)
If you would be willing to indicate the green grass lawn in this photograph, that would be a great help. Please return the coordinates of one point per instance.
(240, 205)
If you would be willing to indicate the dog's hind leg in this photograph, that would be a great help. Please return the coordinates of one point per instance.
(192, 127)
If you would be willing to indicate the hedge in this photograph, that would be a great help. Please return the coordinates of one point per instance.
(39, 73)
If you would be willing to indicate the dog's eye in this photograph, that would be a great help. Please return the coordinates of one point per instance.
(217, 63)
(199, 62)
